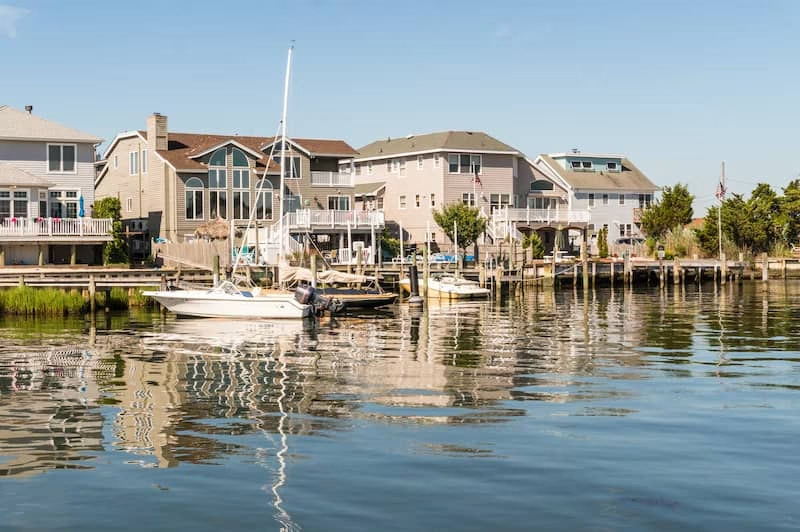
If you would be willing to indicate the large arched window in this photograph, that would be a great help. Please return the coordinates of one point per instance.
(264, 200)
(541, 184)
(241, 186)
(194, 199)
(217, 185)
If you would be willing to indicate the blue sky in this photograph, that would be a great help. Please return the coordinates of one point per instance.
(677, 86)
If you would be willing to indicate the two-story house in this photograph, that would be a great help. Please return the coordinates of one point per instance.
(422, 173)
(47, 192)
(610, 187)
(170, 183)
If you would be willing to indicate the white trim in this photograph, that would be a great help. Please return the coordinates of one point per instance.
(214, 148)
(133, 169)
(349, 202)
(582, 154)
(423, 152)
(471, 155)
(62, 144)
(143, 161)
(119, 137)
(288, 141)
(399, 205)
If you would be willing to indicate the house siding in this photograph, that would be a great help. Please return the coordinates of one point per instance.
(118, 183)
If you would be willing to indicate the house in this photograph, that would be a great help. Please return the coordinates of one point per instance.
(47, 192)
(610, 187)
(170, 183)
(421, 173)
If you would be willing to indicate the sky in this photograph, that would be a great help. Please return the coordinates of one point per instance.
(676, 86)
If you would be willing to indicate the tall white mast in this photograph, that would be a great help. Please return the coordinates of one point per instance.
(283, 147)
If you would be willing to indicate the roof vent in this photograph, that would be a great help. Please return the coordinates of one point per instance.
(575, 150)
(29, 108)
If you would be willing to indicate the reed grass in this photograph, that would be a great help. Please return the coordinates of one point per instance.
(51, 302)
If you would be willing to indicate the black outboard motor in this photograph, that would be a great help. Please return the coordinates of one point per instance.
(305, 294)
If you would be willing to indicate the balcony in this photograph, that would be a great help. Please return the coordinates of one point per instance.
(309, 219)
(55, 230)
(331, 179)
(542, 216)
(637, 215)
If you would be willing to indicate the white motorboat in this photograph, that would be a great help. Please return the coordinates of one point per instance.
(448, 286)
(227, 301)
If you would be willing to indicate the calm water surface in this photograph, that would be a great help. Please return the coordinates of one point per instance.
(605, 411)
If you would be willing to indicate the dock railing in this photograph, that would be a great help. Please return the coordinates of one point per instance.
(56, 227)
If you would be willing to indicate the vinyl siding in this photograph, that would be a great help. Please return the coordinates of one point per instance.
(118, 183)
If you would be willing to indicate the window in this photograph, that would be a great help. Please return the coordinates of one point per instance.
(419, 162)
(13, 205)
(144, 161)
(436, 160)
(339, 203)
(55, 204)
(217, 185)
(433, 200)
(541, 184)
(61, 158)
(401, 203)
(116, 162)
(586, 165)
(241, 186)
(133, 162)
(264, 200)
(611, 166)
(621, 229)
(576, 165)
(452, 163)
(590, 227)
(43, 204)
(464, 163)
(403, 166)
(194, 199)
(605, 199)
(389, 165)
(357, 169)
(622, 199)
(591, 200)
(129, 204)
(417, 201)
(433, 237)
(628, 229)
(498, 201)
(292, 168)
(542, 203)
(468, 198)
(369, 168)
(645, 200)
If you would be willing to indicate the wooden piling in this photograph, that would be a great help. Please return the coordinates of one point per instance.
(92, 293)
(314, 270)
(73, 255)
(215, 270)
(764, 268)
(783, 269)
(2, 256)
(676, 268)
(724, 269)
(594, 273)
(585, 264)
(41, 255)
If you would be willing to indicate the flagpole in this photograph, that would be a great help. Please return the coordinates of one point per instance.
(719, 211)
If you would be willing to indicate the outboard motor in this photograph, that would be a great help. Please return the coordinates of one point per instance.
(305, 294)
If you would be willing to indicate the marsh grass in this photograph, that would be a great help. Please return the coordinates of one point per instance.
(30, 301)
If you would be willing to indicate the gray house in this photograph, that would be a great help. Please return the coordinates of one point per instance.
(47, 192)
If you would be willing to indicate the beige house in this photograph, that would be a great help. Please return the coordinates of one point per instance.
(170, 183)
(422, 173)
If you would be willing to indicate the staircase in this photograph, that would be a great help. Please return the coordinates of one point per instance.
(270, 241)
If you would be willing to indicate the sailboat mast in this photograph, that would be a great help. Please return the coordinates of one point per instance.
(283, 149)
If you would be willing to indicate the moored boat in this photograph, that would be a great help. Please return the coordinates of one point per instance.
(448, 286)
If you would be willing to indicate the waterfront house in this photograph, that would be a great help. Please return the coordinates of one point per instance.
(47, 192)
(610, 187)
(170, 183)
(421, 173)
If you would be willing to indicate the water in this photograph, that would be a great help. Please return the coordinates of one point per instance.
(618, 410)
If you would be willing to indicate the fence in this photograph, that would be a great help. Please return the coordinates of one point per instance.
(195, 253)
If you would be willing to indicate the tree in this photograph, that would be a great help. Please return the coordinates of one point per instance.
(115, 251)
(535, 244)
(673, 209)
(389, 245)
(468, 219)
(602, 243)
(789, 218)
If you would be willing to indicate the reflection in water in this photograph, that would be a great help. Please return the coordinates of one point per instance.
(164, 393)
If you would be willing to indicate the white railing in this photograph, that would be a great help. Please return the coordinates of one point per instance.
(57, 227)
(309, 218)
(331, 179)
(548, 216)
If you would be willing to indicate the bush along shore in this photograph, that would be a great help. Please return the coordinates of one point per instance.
(30, 301)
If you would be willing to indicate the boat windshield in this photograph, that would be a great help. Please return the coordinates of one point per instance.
(226, 287)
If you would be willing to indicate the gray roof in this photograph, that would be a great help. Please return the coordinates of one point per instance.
(477, 141)
(368, 189)
(16, 124)
(630, 178)
(10, 175)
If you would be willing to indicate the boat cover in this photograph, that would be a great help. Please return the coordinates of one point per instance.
(291, 274)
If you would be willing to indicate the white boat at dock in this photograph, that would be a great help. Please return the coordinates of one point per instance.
(448, 286)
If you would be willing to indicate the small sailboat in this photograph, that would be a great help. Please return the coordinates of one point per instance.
(226, 300)
(448, 286)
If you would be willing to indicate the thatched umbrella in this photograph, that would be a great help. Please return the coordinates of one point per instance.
(217, 229)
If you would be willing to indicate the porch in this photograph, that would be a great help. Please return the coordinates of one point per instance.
(310, 219)
(79, 230)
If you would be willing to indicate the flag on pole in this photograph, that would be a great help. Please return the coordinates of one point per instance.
(721, 190)
(477, 179)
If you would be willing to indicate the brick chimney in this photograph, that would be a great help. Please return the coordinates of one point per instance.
(157, 131)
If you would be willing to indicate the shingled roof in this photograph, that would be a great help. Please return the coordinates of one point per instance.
(21, 125)
(183, 146)
(629, 178)
(477, 141)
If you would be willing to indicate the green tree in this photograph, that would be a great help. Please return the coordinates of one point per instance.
(789, 218)
(389, 245)
(468, 219)
(602, 243)
(535, 244)
(115, 251)
(673, 209)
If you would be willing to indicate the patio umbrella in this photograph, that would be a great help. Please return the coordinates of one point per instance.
(81, 212)
(560, 242)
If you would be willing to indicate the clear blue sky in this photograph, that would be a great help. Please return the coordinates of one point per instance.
(677, 86)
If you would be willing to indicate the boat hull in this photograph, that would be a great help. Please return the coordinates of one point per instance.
(441, 290)
(362, 299)
(219, 305)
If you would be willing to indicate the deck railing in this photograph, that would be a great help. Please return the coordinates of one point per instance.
(57, 227)
(563, 216)
(309, 218)
(331, 179)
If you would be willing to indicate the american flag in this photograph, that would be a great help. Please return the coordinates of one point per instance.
(721, 190)
(477, 179)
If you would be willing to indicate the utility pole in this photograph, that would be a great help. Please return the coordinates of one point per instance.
(721, 197)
